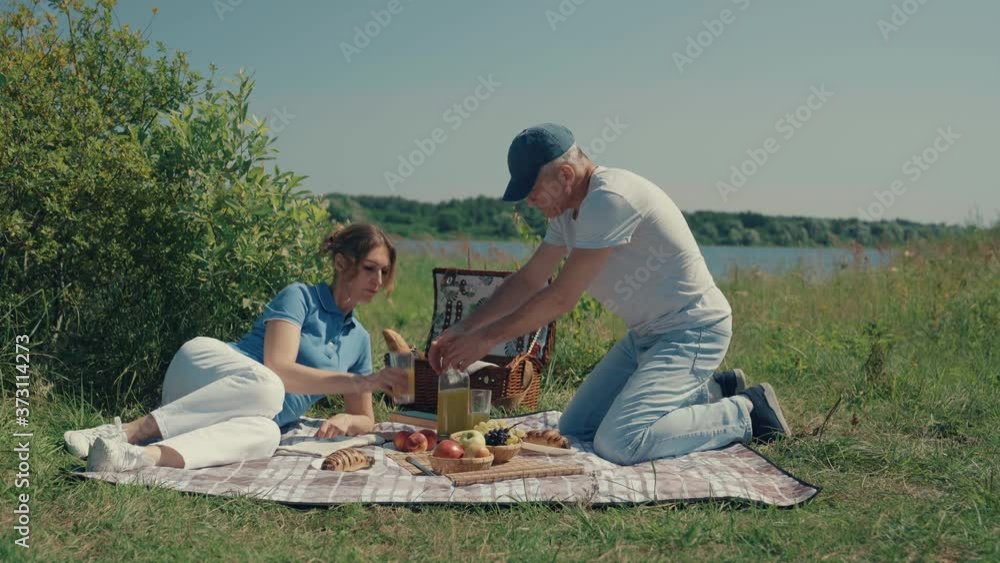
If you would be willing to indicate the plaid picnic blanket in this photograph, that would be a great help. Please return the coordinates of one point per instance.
(734, 472)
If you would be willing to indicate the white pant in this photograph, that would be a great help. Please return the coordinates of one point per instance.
(217, 405)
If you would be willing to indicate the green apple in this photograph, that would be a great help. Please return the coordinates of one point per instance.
(471, 441)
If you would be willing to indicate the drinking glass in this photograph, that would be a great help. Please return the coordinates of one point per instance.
(479, 406)
(404, 360)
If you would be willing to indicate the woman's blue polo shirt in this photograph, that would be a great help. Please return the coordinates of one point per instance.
(330, 339)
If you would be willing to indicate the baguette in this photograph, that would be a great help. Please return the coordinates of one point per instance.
(347, 459)
(551, 438)
(395, 342)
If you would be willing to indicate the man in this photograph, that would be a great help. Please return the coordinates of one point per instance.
(654, 394)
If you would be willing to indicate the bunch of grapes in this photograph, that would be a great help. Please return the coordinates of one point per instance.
(499, 434)
(497, 437)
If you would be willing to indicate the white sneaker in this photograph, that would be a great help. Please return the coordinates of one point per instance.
(116, 455)
(79, 442)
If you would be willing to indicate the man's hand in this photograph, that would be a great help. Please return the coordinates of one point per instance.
(463, 349)
(443, 342)
(336, 425)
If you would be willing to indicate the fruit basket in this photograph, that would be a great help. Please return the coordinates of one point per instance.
(446, 466)
(516, 382)
(503, 454)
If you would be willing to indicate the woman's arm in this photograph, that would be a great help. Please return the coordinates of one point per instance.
(281, 348)
(359, 418)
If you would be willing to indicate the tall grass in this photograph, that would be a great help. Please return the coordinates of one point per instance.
(889, 378)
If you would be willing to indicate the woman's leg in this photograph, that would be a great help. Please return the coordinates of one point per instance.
(593, 398)
(238, 439)
(663, 410)
(209, 382)
(234, 440)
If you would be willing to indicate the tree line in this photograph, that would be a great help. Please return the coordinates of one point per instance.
(485, 218)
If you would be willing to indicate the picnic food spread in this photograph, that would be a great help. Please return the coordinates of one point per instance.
(348, 459)
(551, 438)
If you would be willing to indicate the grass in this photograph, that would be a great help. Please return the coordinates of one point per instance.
(907, 458)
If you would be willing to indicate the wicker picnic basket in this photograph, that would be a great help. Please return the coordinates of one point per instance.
(517, 381)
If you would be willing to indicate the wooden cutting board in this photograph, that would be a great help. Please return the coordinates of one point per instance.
(516, 468)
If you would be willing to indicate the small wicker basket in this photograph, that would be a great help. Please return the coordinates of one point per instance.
(503, 454)
(446, 466)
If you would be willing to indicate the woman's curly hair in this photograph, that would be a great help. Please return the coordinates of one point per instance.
(354, 242)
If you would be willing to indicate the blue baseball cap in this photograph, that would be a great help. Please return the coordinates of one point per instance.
(530, 150)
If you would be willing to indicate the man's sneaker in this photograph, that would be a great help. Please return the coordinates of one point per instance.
(116, 455)
(79, 442)
(766, 420)
(731, 382)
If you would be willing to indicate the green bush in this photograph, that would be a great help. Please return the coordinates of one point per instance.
(136, 209)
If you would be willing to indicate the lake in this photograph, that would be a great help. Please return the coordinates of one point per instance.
(722, 260)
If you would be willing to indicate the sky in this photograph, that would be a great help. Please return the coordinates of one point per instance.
(854, 108)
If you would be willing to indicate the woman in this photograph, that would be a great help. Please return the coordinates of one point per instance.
(224, 403)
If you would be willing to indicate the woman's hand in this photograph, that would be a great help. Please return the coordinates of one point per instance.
(336, 425)
(392, 381)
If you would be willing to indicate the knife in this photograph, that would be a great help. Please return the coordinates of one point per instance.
(423, 468)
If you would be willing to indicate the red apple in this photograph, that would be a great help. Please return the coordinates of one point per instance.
(449, 449)
(432, 438)
(399, 440)
(416, 443)
(483, 452)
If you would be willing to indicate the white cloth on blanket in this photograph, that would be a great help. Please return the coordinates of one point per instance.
(476, 366)
(322, 447)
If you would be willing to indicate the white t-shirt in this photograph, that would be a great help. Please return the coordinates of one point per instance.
(656, 278)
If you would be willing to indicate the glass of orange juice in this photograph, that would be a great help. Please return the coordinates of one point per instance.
(405, 360)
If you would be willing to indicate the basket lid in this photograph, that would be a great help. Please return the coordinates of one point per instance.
(458, 291)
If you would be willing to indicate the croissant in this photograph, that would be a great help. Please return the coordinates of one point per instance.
(551, 438)
(347, 459)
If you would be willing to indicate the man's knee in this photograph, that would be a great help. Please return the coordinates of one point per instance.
(570, 425)
(618, 447)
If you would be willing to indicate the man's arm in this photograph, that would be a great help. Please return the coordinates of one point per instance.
(512, 293)
(542, 308)
(557, 299)
(517, 288)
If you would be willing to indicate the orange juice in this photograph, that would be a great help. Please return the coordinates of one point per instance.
(411, 387)
(453, 411)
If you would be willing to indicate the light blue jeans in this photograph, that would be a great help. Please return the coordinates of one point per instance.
(650, 397)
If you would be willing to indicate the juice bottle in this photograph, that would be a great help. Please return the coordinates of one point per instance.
(453, 402)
